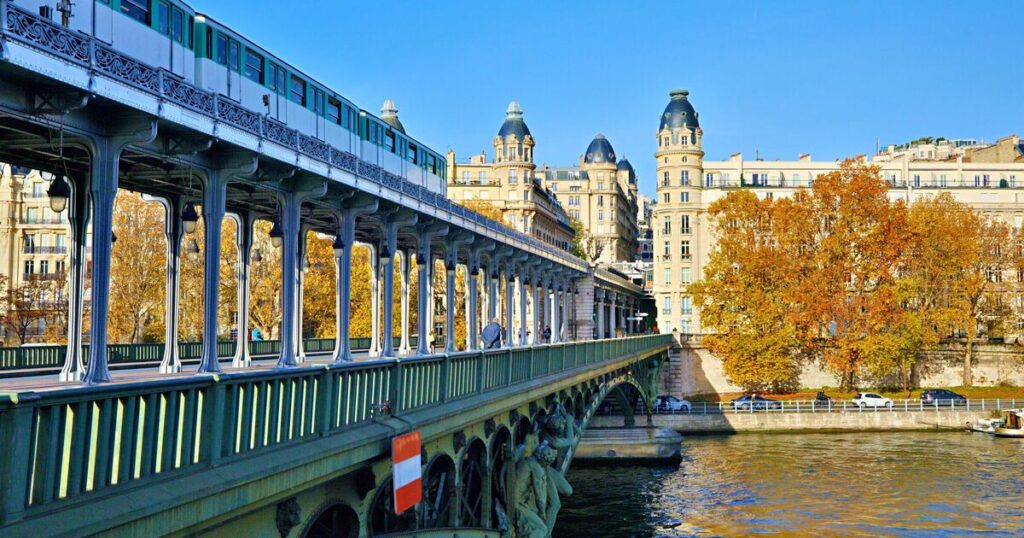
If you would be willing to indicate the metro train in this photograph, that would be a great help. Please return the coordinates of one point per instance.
(170, 34)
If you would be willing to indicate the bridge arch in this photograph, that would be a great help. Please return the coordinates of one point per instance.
(438, 493)
(501, 466)
(335, 520)
(382, 518)
(474, 484)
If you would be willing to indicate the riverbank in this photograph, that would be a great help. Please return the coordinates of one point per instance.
(849, 421)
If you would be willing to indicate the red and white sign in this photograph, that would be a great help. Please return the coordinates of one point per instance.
(408, 484)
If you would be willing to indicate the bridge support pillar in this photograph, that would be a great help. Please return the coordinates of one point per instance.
(104, 169)
(449, 306)
(215, 187)
(566, 305)
(599, 302)
(374, 299)
(173, 206)
(509, 310)
(74, 366)
(243, 240)
(472, 319)
(613, 312)
(343, 257)
(555, 317)
(537, 329)
(390, 249)
(403, 346)
(300, 291)
(523, 328)
(291, 228)
(424, 263)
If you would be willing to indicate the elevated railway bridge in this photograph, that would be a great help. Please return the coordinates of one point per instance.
(156, 98)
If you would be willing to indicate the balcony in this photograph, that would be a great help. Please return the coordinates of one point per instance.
(686, 231)
(685, 255)
(45, 250)
(41, 220)
(42, 276)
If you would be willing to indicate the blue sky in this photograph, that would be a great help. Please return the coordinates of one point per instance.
(781, 78)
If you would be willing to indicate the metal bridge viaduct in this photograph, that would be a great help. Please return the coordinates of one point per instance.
(301, 448)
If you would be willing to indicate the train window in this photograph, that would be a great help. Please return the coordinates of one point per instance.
(178, 26)
(277, 79)
(298, 90)
(136, 9)
(411, 154)
(253, 66)
(334, 110)
(389, 141)
(222, 50)
(164, 16)
(234, 55)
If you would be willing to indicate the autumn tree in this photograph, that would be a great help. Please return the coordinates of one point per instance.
(745, 294)
(137, 270)
(35, 303)
(982, 287)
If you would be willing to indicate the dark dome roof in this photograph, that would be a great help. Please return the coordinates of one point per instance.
(679, 112)
(625, 166)
(599, 151)
(389, 113)
(514, 124)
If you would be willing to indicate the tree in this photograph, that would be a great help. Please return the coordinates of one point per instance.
(32, 305)
(981, 288)
(745, 292)
(584, 245)
(137, 270)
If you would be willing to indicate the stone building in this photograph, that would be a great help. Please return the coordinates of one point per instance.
(989, 178)
(509, 184)
(33, 239)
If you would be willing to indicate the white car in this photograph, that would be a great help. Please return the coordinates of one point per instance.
(671, 404)
(870, 399)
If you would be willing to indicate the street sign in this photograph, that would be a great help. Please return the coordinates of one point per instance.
(408, 484)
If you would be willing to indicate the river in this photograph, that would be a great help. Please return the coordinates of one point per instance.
(863, 484)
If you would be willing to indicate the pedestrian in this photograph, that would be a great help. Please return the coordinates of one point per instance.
(492, 334)
(547, 334)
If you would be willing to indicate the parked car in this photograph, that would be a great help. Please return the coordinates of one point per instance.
(671, 404)
(822, 400)
(942, 397)
(870, 399)
(755, 402)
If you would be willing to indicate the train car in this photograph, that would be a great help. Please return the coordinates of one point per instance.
(238, 68)
(169, 34)
(156, 32)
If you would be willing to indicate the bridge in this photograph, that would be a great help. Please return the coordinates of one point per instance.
(300, 444)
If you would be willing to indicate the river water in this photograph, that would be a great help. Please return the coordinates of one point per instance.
(863, 484)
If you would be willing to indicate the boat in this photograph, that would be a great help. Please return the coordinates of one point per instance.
(1013, 425)
(985, 425)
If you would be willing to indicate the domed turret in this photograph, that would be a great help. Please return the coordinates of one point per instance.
(514, 124)
(679, 112)
(389, 113)
(624, 166)
(599, 151)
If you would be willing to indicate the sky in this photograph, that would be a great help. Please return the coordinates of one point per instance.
(771, 79)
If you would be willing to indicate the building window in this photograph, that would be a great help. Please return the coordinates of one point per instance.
(44, 267)
(666, 226)
(554, 186)
(664, 179)
(30, 267)
(60, 266)
(574, 200)
(253, 66)
(709, 180)
(465, 176)
(684, 177)
(684, 250)
(684, 224)
(513, 177)
(685, 275)
(574, 188)
(666, 197)
(600, 201)
(526, 194)
(687, 308)
(666, 305)
(667, 276)
(666, 252)
(684, 197)
(600, 215)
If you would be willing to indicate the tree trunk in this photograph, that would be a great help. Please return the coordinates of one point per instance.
(968, 349)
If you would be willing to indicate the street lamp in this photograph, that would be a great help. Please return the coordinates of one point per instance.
(192, 248)
(189, 218)
(339, 247)
(59, 192)
(276, 234)
(385, 256)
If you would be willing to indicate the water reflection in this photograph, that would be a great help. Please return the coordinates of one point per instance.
(870, 484)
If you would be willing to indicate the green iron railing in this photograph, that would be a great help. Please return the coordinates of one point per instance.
(50, 357)
(65, 443)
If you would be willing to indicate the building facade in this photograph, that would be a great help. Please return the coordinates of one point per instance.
(509, 183)
(601, 193)
(33, 244)
(990, 178)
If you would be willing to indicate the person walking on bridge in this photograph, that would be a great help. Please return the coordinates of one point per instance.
(492, 335)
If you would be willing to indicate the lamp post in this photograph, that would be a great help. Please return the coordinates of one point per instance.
(59, 192)
(189, 219)
(276, 234)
